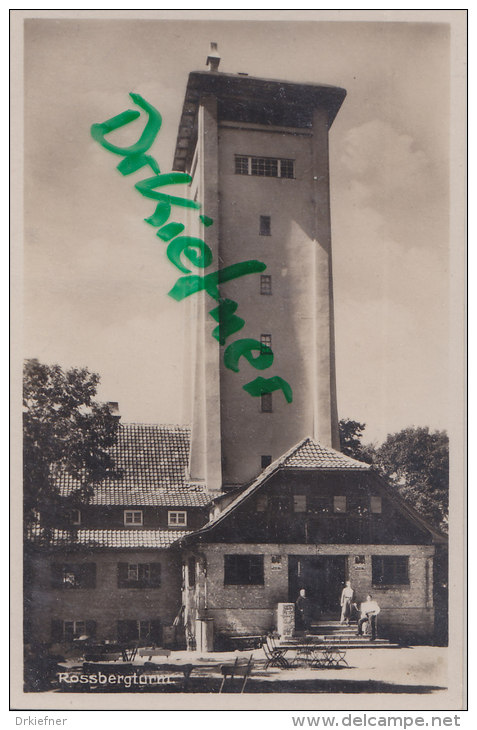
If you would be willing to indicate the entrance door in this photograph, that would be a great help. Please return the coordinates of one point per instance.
(322, 577)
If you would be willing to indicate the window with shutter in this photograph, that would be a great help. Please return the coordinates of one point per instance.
(262, 503)
(339, 503)
(155, 575)
(127, 630)
(73, 575)
(299, 503)
(191, 568)
(376, 505)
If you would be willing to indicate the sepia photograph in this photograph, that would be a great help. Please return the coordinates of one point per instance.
(238, 277)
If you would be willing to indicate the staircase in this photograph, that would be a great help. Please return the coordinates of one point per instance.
(331, 631)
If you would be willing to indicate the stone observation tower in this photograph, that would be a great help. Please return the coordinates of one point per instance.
(257, 151)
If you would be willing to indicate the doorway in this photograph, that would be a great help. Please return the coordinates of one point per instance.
(322, 577)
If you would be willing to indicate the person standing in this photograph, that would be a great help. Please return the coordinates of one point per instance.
(303, 608)
(369, 610)
(347, 595)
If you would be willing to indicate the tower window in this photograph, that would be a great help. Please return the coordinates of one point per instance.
(264, 167)
(241, 165)
(266, 342)
(266, 460)
(265, 225)
(287, 168)
(267, 406)
(265, 284)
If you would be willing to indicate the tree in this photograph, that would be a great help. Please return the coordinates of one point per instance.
(64, 430)
(416, 462)
(351, 434)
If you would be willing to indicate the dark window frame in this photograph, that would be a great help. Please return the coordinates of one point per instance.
(259, 166)
(73, 576)
(265, 342)
(244, 570)
(149, 575)
(265, 225)
(133, 522)
(265, 285)
(390, 570)
(266, 403)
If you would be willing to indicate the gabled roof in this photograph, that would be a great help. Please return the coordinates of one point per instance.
(310, 455)
(152, 462)
(307, 454)
(119, 539)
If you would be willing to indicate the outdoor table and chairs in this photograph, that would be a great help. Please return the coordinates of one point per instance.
(313, 653)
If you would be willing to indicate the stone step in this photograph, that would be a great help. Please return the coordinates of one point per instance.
(354, 642)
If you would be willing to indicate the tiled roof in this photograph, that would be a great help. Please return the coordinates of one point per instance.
(309, 454)
(115, 538)
(152, 462)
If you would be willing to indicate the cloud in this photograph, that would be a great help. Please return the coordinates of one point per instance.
(383, 160)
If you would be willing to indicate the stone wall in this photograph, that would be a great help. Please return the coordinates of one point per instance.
(105, 604)
(405, 609)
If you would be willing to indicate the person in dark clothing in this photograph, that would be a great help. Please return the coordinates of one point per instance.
(303, 611)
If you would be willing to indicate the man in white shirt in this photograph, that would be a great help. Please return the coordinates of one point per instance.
(346, 598)
(369, 610)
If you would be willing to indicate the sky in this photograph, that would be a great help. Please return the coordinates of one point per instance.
(95, 280)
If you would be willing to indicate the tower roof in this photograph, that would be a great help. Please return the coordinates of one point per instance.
(251, 99)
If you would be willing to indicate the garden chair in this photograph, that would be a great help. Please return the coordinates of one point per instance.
(236, 670)
(274, 655)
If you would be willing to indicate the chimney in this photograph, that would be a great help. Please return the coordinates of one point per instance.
(213, 59)
(114, 409)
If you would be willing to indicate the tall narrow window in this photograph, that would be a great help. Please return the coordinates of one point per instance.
(265, 225)
(265, 342)
(265, 284)
(241, 165)
(339, 503)
(299, 502)
(267, 403)
(376, 505)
